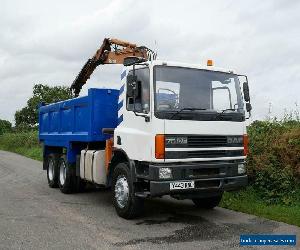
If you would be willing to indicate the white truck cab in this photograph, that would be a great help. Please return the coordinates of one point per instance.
(181, 127)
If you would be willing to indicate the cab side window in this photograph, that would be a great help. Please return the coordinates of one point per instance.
(140, 102)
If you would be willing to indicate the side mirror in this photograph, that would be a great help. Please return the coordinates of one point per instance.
(137, 89)
(131, 85)
(137, 106)
(246, 92)
(248, 107)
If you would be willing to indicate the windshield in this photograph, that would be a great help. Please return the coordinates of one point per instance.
(184, 90)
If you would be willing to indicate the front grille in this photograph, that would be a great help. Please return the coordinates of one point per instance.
(203, 141)
(203, 154)
(207, 141)
(214, 153)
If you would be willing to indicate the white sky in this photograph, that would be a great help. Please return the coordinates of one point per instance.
(49, 41)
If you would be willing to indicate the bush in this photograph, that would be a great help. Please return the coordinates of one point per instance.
(24, 143)
(21, 139)
(276, 185)
(5, 126)
(274, 159)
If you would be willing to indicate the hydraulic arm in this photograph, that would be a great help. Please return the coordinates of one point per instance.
(112, 51)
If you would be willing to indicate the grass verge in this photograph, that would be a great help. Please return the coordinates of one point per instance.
(248, 201)
(23, 143)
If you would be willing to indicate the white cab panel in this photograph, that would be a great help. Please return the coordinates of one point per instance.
(186, 127)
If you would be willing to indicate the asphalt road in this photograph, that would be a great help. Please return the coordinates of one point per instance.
(34, 216)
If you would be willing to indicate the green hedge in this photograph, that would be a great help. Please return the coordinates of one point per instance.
(25, 143)
(274, 160)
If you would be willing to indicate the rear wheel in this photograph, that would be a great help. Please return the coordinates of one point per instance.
(52, 170)
(79, 184)
(127, 205)
(66, 177)
(207, 202)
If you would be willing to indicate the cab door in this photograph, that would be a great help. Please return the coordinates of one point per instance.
(134, 133)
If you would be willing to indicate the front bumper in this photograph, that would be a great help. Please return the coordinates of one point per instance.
(203, 187)
(210, 178)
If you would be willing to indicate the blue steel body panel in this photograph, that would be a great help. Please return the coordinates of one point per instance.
(79, 120)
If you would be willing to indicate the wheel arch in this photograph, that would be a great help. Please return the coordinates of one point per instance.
(119, 156)
(50, 150)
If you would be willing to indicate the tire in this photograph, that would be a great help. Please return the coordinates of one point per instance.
(66, 177)
(52, 170)
(207, 202)
(127, 206)
(79, 185)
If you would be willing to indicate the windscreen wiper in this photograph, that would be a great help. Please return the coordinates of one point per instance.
(223, 111)
(190, 109)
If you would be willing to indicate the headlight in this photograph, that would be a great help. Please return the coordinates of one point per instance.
(165, 173)
(241, 168)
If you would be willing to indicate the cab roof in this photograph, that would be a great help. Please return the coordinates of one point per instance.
(189, 65)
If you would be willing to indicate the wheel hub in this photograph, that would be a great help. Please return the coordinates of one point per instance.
(122, 191)
(62, 173)
(51, 170)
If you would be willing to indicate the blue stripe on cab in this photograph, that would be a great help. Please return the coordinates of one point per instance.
(123, 74)
(120, 119)
(120, 105)
(122, 89)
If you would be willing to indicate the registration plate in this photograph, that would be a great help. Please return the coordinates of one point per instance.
(182, 185)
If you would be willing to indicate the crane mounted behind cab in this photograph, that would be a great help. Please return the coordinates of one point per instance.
(170, 128)
(112, 51)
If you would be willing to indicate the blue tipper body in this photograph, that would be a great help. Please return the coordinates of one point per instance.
(78, 120)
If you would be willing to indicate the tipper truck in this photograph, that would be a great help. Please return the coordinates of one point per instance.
(170, 129)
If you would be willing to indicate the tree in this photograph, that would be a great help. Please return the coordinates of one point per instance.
(5, 126)
(28, 116)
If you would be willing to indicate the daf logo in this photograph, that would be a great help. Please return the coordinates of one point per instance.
(234, 139)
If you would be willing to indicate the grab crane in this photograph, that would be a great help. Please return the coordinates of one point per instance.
(112, 51)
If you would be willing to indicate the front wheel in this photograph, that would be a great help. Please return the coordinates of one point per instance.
(208, 202)
(127, 205)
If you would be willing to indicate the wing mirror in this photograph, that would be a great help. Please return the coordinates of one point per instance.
(131, 85)
(248, 107)
(246, 92)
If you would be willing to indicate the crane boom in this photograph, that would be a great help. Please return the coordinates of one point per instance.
(112, 51)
